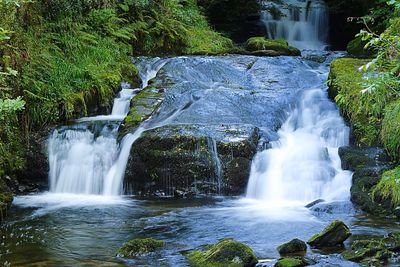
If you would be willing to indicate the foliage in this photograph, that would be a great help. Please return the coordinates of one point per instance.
(390, 133)
(67, 71)
(172, 27)
(363, 111)
(388, 187)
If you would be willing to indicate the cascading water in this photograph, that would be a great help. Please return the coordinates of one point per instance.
(304, 24)
(85, 158)
(304, 165)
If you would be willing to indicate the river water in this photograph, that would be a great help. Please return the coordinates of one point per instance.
(83, 223)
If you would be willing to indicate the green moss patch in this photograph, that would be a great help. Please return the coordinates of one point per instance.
(263, 46)
(291, 262)
(140, 246)
(227, 252)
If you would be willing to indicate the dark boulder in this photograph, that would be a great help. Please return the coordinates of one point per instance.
(293, 247)
(368, 164)
(192, 159)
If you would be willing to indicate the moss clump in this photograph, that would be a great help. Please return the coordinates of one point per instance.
(388, 187)
(333, 235)
(140, 246)
(291, 262)
(227, 252)
(280, 47)
(390, 133)
(366, 251)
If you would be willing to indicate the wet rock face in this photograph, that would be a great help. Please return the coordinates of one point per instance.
(192, 158)
(333, 235)
(34, 177)
(204, 100)
(368, 164)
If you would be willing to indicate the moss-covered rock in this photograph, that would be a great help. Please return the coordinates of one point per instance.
(140, 246)
(333, 235)
(291, 262)
(205, 159)
(367, 251)
(261, 46)
(293, 247)
(227, 252)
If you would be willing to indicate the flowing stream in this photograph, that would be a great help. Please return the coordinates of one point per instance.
(85, 158)
(304, 24)
(84, 218)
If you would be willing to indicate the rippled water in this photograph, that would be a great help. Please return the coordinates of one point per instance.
(67, 230)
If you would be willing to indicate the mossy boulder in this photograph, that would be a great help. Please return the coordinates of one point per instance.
(140, 246)
(368, 251)
(293, 247)
(333, 235)
(261, 46)
(227, 252)
(291, 262)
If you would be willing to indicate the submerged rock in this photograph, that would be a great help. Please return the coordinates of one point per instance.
(295, 246)
(315, 202)
(333, 235)
(227, 252)
(190, 159)
(140, 246)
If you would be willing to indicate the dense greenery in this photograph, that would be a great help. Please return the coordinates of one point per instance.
(63, 59)
(368, 91)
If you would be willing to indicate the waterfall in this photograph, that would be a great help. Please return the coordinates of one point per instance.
(85, 158)
(212, 147)
(304, 24)
(304, 165)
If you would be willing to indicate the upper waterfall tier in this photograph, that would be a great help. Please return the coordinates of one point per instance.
(304, 24)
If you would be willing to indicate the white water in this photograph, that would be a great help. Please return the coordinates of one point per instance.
(304, 24)
(86, 158)
(304, 165)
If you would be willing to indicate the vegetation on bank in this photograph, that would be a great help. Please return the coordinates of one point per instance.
(368, 92)
(64, 59)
